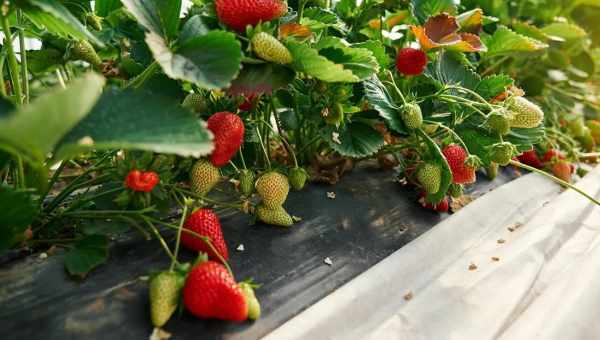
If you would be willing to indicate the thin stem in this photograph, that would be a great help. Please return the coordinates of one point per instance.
(13, 65)
(178, 241)
(494, 65)
(162, 242)
(61, 81)
(450, 131)
(555, 179)
(234, 166)
(264, 149)
(23, 48)
(54, 178)
(2, 85)
(193, 233)
(21, 172)
(138, 81)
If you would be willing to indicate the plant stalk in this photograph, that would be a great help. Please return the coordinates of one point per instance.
(13, 65)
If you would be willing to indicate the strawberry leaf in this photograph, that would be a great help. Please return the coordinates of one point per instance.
(35, 129)
(53, 16)
(19, 210)
(423, 9)
(87, 253)
(309, 61)
(505, 41)
(355, 139)
(380, 99)
(564, 30)
(210, 61)
(138, 120)
(104, 7)
(157, 16)
(490, 87)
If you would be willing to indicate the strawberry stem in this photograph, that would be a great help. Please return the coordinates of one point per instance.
(555, 179)
(203, 238)
(264, 149)
(178, 241)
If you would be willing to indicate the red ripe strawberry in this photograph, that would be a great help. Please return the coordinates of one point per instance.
(211, 292)
(238, 14)
(205, 223)
(562, 170)
(553, 155)
(531, 158)
(441, 207)
(228, 130)
(411, 62)
(456, 157)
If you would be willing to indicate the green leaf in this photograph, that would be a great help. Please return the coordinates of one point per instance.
(160, 17)
(139, 120)
(210, 61)
(378, 50)
(450, 69)
(505, 41)
(360, 61)
(423, 9)
(41, 60)
(309, 61)
(53, 16)
(19, 210)
(530, 30)
(87, 253)
(356, 139)
(104, 7)
(380, 99)
(478, 141)
(318, 18)
(36, 128)
(261, 78)
(194, 27)
(438, 157)
(491, 86)
(564, 30)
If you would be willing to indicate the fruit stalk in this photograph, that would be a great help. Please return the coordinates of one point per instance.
(24, 74)
(13, 65)
(178, 241)
(555, 179)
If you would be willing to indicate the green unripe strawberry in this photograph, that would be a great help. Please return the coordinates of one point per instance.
(270, 49)
(430, 177)
(335, 115)
(498, 122)
(594, 127)
(587, 140)
(456, 190)
(502, 153)
(412, 116)
(204, 176)
(492, 171)
(251, 301)
(577, 127)
(195, 102)
(274, 216)
(95, 21)
(525, 114)
(83, 50)
(298, 177)
(273, 188)
(246, 182)
(165, 289)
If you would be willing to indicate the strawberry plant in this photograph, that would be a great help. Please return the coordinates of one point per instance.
(140, 113)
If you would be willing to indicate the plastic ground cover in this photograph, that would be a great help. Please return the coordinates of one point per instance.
(519, 263)
(370, 218)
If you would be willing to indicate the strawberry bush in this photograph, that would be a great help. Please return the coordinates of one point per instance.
(156, 116)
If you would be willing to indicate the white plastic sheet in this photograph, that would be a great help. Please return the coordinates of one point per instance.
(471, 277)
